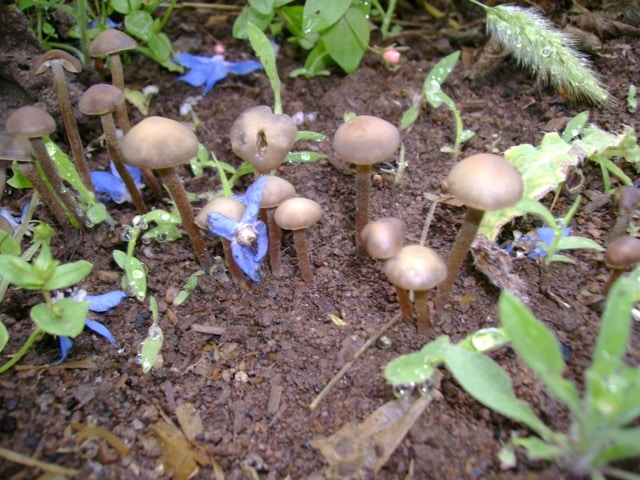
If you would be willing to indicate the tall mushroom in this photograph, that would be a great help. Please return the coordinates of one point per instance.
(34, 123)
(59, 61)
(162, 144)
(101, 100)
(275, 191)
(621, 254)
(262, 138)
(363, 141)
(418, 269)
(483, 182)
(298, 214)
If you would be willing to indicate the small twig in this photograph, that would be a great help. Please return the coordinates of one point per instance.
(32, 462)
(325, 391)
(427, 222)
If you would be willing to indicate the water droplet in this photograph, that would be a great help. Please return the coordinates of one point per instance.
(401, 390)
(139, 359)
(145, 240)
(162, 236)
(89, 224)
(424, 388)
(125, 234)
(384, 342)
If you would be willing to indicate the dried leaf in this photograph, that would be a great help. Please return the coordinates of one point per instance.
(179, 457)
(190, 421)
(101, 432)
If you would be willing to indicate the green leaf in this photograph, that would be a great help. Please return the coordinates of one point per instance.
(191, 285)
(309, 135)
(575, 126)
(538, 449)
(304, 157)
(573, 243)
(68, 170)
(248, 16)
(264, 7)
(538, 347)
(151, 347)
(18, 180)
(264, 50)
(409, 117)
(68, 275)
(439, 73)
(140, 25)
(417, 367)
(483, 378)
(20, 273)
(316, 63)
(63, 318)
(321, 14)
(135, 274)
(624, 443)
(125, 6)
(4, 336)
(348, 39)
(8, 244)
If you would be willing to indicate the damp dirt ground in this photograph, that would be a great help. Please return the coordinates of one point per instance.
(249, 362)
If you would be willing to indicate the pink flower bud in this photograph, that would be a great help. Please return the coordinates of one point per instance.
(218, 49)
(391, 55)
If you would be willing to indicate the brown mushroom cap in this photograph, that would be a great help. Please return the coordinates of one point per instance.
(16, 148)
(111, 41)
(627, 198)
(623, 252)
(297, 213)
(68, 61)
(383, 237)
(228, 207)
(365, 140)
(262, 138)
(30, 122)
(100, 99)
(158, 142)
(275, 191)
(415, 268)
(486, 182)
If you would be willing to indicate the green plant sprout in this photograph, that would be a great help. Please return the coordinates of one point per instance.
(559, 226)
(432, 94)
(152, 344)
(134, 279)
(190, 286)
(599, 433)
(141, 99)
(61, 317)
(264, 50)
(632, 101)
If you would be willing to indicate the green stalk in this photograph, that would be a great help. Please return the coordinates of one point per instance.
(37, 333)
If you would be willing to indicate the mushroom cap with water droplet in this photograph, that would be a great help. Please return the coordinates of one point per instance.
(30, 122)
(365, 140)
(416, 268)
(486, 182)
(157, 143)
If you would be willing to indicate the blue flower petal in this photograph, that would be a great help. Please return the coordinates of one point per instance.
(106, 301)
(100, 330)
(252, 200)
(262, 241)
(192, 61)
(195, 77)
(65, 345)
(243, 68)
(217, 72)
(246, 259)
(108, 187)
(220, 225)
(136, 174)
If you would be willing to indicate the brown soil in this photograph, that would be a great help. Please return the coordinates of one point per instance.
(278, 336)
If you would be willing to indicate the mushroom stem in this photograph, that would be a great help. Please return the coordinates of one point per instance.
(300, 242)
(70, 124)
(423, 311)
(109, 127)
(235, 271)
(459, 250)
(363, 185)
(405, 303)
(181, 200)
(43, 160)
(615, 274)
(117, 78)
(275, 238)
(29, 171)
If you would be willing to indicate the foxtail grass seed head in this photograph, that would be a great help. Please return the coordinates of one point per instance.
(549, 53)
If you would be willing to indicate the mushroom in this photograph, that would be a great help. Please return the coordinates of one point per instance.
(59, 61)
(233, 209)
(161, 144)
(275, 191)
(628, 201)
(101, 100)
(415, 268)
(34, 123)
(298, 214)
(621, 254)
(262, 138)
(483, 182)
(111, 43)
(363, 141)
(383, 237)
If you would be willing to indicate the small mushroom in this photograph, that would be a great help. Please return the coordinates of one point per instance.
(383, 237)
(59, 61)
(275, 191)
(110, 43)
(161, 144)
(621, 254)
(483, 182)
(298, 214)
(418, 269)
(34, 123)
(262, 138)
(101, 100)
(363, 141)
(628, 201)
(233, 209)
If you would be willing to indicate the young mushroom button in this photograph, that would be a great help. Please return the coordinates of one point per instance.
(275, 191)
(383, 237)
(363, 141)
(621, 254)
(483, 182)
(298, 214)
(161, 144)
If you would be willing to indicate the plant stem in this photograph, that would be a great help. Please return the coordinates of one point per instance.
(81, 17)
(167, 14)
(37, 333)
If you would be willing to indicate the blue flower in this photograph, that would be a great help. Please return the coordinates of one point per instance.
(208, 71)
(14, 222)
(248, 237)
(98, 304)
(536, 242)
(110, 187)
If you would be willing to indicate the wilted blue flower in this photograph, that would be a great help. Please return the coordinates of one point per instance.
(13, 221)
(110, 187)
(248, 237)
(533, 242)
(208, 71)
(98, 304)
